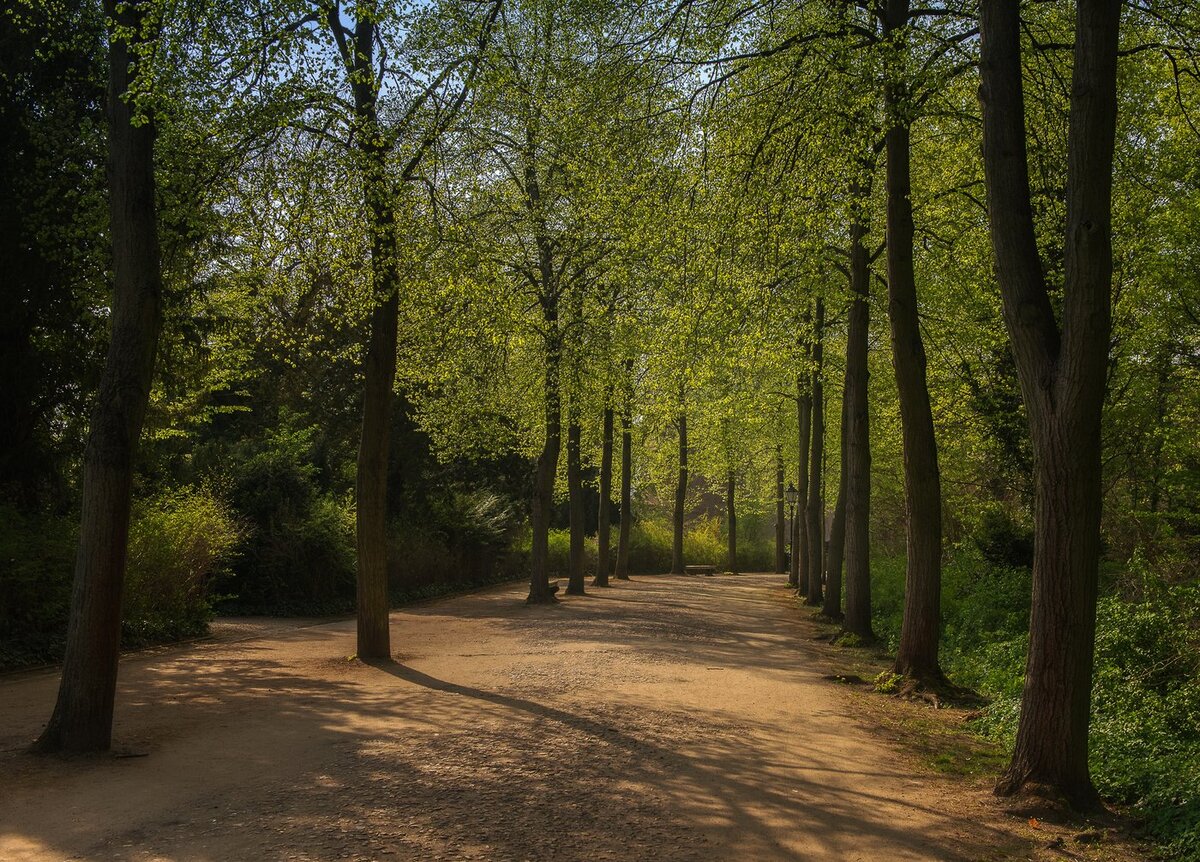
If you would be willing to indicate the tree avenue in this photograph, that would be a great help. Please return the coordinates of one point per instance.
(321, 307)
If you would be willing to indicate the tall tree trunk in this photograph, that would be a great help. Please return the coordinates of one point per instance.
(575, 507)
(380, 367)
(799, 578)
(832, 604)
(373, 603)
(622, 569)
(1063, 374)
(371, 487)
(816, 503)
(731, 563)
(857, 619)
(680, 498)
(780, 514)
(547, 470)
(83, 713)
(917, 656)
(604, 517)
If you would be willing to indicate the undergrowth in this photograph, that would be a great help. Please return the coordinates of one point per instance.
(1145, 730)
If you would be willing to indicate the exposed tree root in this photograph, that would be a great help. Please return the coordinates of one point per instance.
(1047, 801)
(547, 598)
(933, 688)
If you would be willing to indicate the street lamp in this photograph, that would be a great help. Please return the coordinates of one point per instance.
(791, 495)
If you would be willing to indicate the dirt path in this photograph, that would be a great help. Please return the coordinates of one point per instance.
(667, 718)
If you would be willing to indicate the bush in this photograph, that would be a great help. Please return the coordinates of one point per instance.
(703, 544)
(1003, 538)
(36, 556)
(179, 545)
(463, 541)
(650, 544)
(299, 556)
(1145, 732)
(1145, 742)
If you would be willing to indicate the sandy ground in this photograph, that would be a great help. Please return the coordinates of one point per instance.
(667, 718)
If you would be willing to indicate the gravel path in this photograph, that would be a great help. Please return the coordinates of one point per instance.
(667, 718)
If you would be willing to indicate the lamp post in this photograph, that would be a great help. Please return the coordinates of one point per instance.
(791, 495)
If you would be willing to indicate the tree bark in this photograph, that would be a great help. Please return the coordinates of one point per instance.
(373, 636)
(731, 564)
(857, 619)
(680, 498)
(799, 574)
(832, 604)
(917, 655)
(622, 568)
(1063, 375)
(83, 713)
(815, 510)
(575, 582)
(604, 517)
(780, 515)
(547, 468)
(374, 639)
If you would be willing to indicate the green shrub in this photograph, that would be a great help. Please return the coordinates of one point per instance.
(1145, 731)
(299, 555)
(36, 556)
(301, 561)
(1145, 740)
(1003, 538)
(703, 544)
(465, 539)
(650, 544)
(179, 545)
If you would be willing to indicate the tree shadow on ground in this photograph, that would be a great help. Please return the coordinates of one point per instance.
(285, 749)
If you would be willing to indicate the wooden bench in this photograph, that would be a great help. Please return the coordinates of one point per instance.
(707, 571)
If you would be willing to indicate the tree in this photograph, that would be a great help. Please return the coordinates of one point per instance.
(82, 717)
(857, 460)
(815, 509)
(356, 47)
(917, 655)
(1062, 363)
(604, 516)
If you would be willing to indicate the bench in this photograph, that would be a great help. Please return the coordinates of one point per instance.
(707, 571)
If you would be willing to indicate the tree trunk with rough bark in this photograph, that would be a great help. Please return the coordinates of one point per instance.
(604, 517)
(83, 713)
(1063, 374)
(547, 469)
(374, 639)
(857, 619)
(575, 581)
(621, 572)
(917, 655)
(731, 564)
(780, 515)
(831, 605)
(680, 499)
(815, 509)
(799, 578)
(373, 635)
